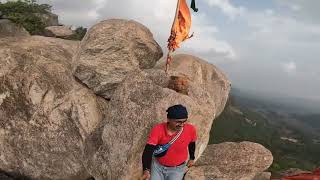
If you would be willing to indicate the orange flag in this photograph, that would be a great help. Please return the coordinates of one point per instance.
(181, 26)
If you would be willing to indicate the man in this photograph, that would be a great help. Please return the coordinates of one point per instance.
(173, 165)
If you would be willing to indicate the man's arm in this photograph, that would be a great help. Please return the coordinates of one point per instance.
(147, 156)
(192, 149)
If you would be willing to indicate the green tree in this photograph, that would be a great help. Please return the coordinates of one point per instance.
(80, 32)
(26, 13)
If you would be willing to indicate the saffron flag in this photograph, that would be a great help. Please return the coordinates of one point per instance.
(180, 28)
(181, 25)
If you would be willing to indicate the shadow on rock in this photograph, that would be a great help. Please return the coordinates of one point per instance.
(12, 176)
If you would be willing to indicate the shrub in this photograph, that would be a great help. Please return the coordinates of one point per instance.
(25, 13)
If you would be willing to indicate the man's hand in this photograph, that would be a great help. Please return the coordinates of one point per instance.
(190, 163)
(146, 175)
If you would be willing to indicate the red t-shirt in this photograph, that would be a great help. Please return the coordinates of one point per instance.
(178, 151)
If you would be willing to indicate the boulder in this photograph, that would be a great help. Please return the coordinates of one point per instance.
(110, 50)
(8, 28)
(206, 75)
(49, 19)
(139, 102)
(63, 32)
(231, 161)
(45, 114)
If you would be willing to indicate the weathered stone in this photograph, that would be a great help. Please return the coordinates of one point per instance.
(263, 176)
(110, 50)
(202, 73)
(45, 115)
(49, 19)
(8, 28)
(59, 32)
(231, 161)
(140, 102)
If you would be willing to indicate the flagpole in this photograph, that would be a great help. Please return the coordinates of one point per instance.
(169, 58)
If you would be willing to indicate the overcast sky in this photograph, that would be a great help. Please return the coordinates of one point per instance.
(270, 46)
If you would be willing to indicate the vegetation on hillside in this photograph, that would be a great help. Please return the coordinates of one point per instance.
(25, 13)
(80, 32)
(291, 147)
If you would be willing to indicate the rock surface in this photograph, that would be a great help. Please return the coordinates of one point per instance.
(45, 115)
(49, 19)
(231, 161)
(53, 126)
(110, 50)
(139, 102)
(292, 172)
(210, 87)
(263, 176)
(8, 28)
(59, 32)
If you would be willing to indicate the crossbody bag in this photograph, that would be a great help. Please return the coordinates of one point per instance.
(162, 149)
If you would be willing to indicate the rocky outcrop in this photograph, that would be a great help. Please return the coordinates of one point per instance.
(55, 126)
(139, 102)
(231, 161)
(45, 115)
(110, 50)
(49, 19)
(8, 28)
(63, 32)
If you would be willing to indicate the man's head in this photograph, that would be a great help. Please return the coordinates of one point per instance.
(177, 115)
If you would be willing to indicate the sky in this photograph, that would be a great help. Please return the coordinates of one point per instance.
(268, 46)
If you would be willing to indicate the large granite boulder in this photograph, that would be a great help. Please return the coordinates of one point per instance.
(63, 32)
(45, 115)
(231, 161)
(8, 29)
(139, 102)
(110, 50)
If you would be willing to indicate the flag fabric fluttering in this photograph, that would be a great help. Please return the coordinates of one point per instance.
(180, 28)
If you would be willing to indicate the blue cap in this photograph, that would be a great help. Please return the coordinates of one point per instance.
(177, 112)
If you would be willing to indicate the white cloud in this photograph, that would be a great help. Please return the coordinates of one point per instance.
(226, 7)
(295, 7)
(305, 10)
(277, 31)
(290, 67)
(204, 42)
(78, 12)
(158, 17)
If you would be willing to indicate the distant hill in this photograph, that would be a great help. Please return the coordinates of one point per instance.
(277, 102)
(293, 139)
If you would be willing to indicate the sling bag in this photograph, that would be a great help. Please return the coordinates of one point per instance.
(161, 150)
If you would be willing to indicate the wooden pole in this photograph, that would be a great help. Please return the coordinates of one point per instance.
(169, 58)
